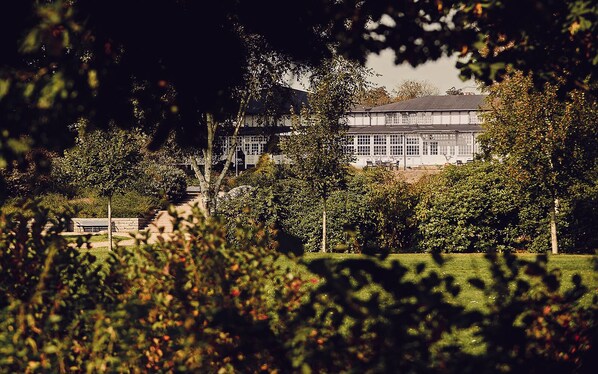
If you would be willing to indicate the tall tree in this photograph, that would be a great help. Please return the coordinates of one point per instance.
(264, 69)
(106, 161)
(316, 144)
(548, 143)
(411, 89)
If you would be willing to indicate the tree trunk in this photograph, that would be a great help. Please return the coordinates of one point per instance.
(324, 228)
(553, 234)
(110, 222)
(208, 186)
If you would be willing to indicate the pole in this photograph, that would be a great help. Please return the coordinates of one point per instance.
(404, 152)
(236, 162)
(110, 221)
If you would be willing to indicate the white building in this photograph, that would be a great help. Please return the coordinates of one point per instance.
(431, 130)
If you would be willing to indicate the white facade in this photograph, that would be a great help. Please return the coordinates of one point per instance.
(432, 130)
(411, 148)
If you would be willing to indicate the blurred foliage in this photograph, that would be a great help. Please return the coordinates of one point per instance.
(108, 61)
(194, 303)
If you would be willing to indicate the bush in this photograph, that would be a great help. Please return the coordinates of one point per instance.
(470, 208)
(166, 183)
(195, 303)
(30, 178)
(131, 204)
(50, 294)
(373, 213)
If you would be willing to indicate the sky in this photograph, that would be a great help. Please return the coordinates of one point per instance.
(441, 73)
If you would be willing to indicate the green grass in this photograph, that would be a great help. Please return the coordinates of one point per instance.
(94, 238)
(465, 266)
(101, 255)
(460, 266)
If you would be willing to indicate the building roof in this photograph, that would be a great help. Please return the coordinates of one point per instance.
(434, 104)
(360, 108)
(278, 101)
(265, 130)
(370, 130)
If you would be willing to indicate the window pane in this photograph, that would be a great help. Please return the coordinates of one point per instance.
(396, 150)
(379, 150)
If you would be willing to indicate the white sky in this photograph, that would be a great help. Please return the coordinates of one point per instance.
(441, 73)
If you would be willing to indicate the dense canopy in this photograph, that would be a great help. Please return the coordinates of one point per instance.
(166, 63)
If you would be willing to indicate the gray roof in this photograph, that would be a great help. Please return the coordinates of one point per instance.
(280, 101)
(434, 104)
(360, 108)
(365, 130)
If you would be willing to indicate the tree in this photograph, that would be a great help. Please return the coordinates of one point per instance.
(107, 161)
(316, 144)
(548, 143)
(470, 208)
(454, 91)
(65, 59)
(411, 89)
(374, 96)
(263, 70)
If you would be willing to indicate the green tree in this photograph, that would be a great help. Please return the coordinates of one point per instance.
(470, 208)
(316, 144)
(107, 161)
(549, 143)
(65, 59)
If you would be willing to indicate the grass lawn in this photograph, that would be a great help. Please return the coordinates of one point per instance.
(465, 266)
(461, 267)
(94, 238)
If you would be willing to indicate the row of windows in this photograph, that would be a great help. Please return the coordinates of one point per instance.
(427, 149)
(426, 118)
(420, 118)
(253, 149)
(398, 139)
(432, 144)
(379, 150)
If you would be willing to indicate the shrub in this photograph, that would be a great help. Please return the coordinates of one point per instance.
(130, 204)
(195, 303)
(30, 178)
(48, 292)
(373, 213)
(164, 182)
(471, 208)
